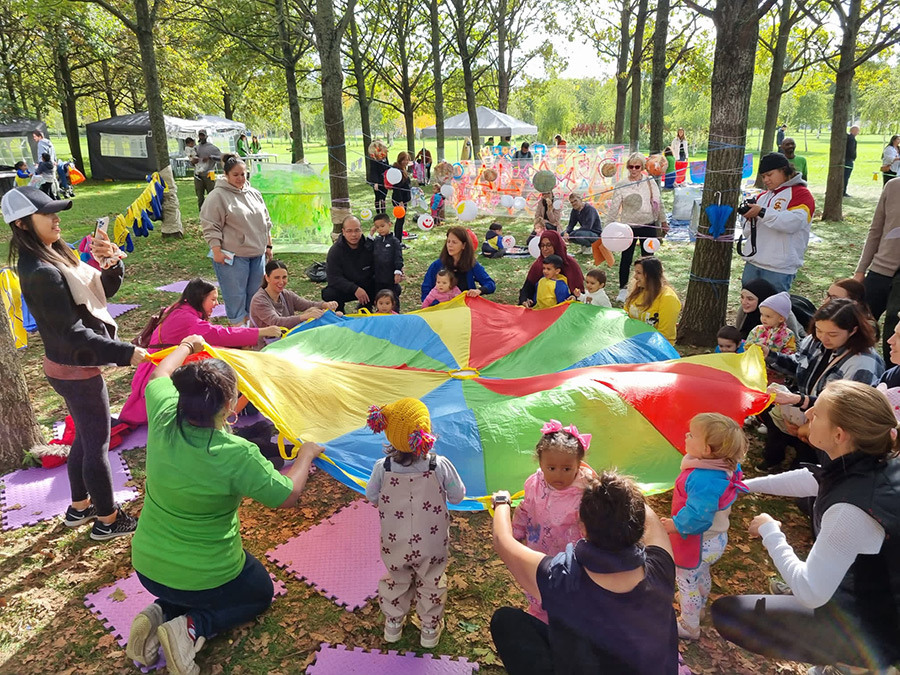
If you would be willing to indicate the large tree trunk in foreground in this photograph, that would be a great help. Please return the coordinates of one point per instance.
(634, 129)
(707, 295)
(18, 427)
(622, 74)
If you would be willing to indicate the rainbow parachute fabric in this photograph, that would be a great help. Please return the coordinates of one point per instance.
(491, 375)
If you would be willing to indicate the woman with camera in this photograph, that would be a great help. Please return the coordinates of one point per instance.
(776, 225)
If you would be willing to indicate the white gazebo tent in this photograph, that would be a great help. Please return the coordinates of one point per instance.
(490, 123)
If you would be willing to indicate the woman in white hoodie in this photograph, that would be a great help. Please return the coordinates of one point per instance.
(776, 227)
(237, 227)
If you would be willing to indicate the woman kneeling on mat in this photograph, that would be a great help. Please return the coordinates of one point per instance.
(187, 549)
(845, 607)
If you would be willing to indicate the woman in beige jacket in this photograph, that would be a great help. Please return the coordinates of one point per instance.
(237, 227)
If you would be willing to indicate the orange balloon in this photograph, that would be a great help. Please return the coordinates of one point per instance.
(399, 212)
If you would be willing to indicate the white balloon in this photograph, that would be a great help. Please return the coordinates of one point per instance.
(467, 210)
(651, 245)
(447, 190)
(366, 214)
(506, 201)
(617, 236)
(425, 221)
(394, 175)
(557, 204)
(519, 203)
(534, 247)
(509, 241)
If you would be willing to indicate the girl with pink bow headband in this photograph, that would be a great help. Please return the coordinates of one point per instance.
(547, 517)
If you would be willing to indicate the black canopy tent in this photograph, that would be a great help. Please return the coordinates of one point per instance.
(16, 143)
(121, 148)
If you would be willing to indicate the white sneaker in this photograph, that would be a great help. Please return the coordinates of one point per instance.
(393, 629)
(178, 646)
(431, 636)
(623, 293)
(143, 643)
(777, 587)
(586, 250)
(686, 632)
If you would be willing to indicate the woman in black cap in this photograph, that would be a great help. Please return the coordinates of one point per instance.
(776, 227)
(67, 298)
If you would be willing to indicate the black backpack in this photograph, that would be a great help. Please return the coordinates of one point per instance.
(316, 272)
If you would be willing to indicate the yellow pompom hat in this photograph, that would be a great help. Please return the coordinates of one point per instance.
(406, 423)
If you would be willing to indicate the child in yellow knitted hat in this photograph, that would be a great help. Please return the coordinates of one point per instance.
(411, 487)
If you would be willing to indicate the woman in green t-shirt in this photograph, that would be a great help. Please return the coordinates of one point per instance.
(187, 549)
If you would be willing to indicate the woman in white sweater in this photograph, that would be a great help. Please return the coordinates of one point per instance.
(845, 607)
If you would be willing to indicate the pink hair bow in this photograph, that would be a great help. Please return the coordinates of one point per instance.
(553, 426)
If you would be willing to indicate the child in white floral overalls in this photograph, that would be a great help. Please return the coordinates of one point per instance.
(411, 487)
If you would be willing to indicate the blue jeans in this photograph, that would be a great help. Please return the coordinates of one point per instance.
(781, 282)
(238, 283)
(583, 237)
(215, 610)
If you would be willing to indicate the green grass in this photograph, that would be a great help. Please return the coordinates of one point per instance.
(45, 570)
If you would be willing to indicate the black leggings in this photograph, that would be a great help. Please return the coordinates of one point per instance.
(380, 199)
(88, 463)
(641, 232)
(778, 626)
(398, 224)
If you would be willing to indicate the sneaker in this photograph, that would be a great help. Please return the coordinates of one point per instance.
(431, 636)
(121, 526)
(586, 250)
(393, 629)
(143, 643)
(178, 646)
(75, 517)
(777, 587)
(685, 632)
(762, 429)
(623, 293)
(173, 235)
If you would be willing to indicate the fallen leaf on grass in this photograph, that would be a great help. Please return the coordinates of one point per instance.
(106, 641)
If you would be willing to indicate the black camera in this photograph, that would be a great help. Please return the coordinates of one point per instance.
(745, 205)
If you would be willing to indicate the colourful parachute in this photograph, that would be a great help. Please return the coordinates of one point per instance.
(491, 375)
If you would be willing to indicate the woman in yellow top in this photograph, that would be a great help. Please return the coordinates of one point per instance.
(651, 299)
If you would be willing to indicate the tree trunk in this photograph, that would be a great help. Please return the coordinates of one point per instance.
(776, 83)
(328, 39)
(622, 74)
(8, 77)
(18, 427)
(362, 95)
(288, 63)
(67, 100)
(436, 62)
(732, 79)
(145, 27)
(468, 78)
(843, 85)
(503, 68)
(658, 85)
(227, 106)
(108, 88)
(634, 131)
(406, 93)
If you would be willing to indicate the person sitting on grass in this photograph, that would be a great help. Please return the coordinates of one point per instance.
(608, 596)
(492, 246)
(729, 341)
(594, 293)
(553, 288)
(386, 302)
(276, 305)
(187, 549)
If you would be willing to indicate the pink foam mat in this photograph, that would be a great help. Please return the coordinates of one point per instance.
(340, 557)
(29, 496)
(340, 660)
(116, 309)
(117, 610)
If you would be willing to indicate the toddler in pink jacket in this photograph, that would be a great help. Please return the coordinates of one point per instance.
(547, 517)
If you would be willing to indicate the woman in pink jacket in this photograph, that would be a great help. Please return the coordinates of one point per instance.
(188, 316)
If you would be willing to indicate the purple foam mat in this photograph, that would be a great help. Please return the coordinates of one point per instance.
(30, 496)
(136, 438)
(340, 557)
(117, 604)
(116, 309)
(178, 286)
(339, 660)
